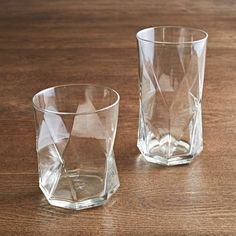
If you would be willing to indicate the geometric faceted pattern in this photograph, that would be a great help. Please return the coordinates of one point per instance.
(76, 163)
(171, 85)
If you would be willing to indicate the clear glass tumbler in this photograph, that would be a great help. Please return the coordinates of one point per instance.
(171, 71)
(75, 133)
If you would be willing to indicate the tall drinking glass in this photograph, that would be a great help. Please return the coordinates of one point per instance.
(75, 133)
(171, 71)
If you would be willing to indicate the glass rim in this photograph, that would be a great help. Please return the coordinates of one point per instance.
(203, 38)
(104, 108)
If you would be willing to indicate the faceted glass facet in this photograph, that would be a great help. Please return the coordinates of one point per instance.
(171, 69)
(75, 133)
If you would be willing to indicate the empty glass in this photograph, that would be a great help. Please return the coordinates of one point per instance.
(171, 69)
(75, 133)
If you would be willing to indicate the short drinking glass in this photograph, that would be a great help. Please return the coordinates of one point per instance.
(75, 133)
(171, 71)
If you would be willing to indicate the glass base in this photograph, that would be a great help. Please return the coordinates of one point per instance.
(76, 199)
(82, 204)
(80, 189)
(168, 151)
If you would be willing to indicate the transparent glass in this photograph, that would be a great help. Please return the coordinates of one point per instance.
(171, 71)
(75, 133)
